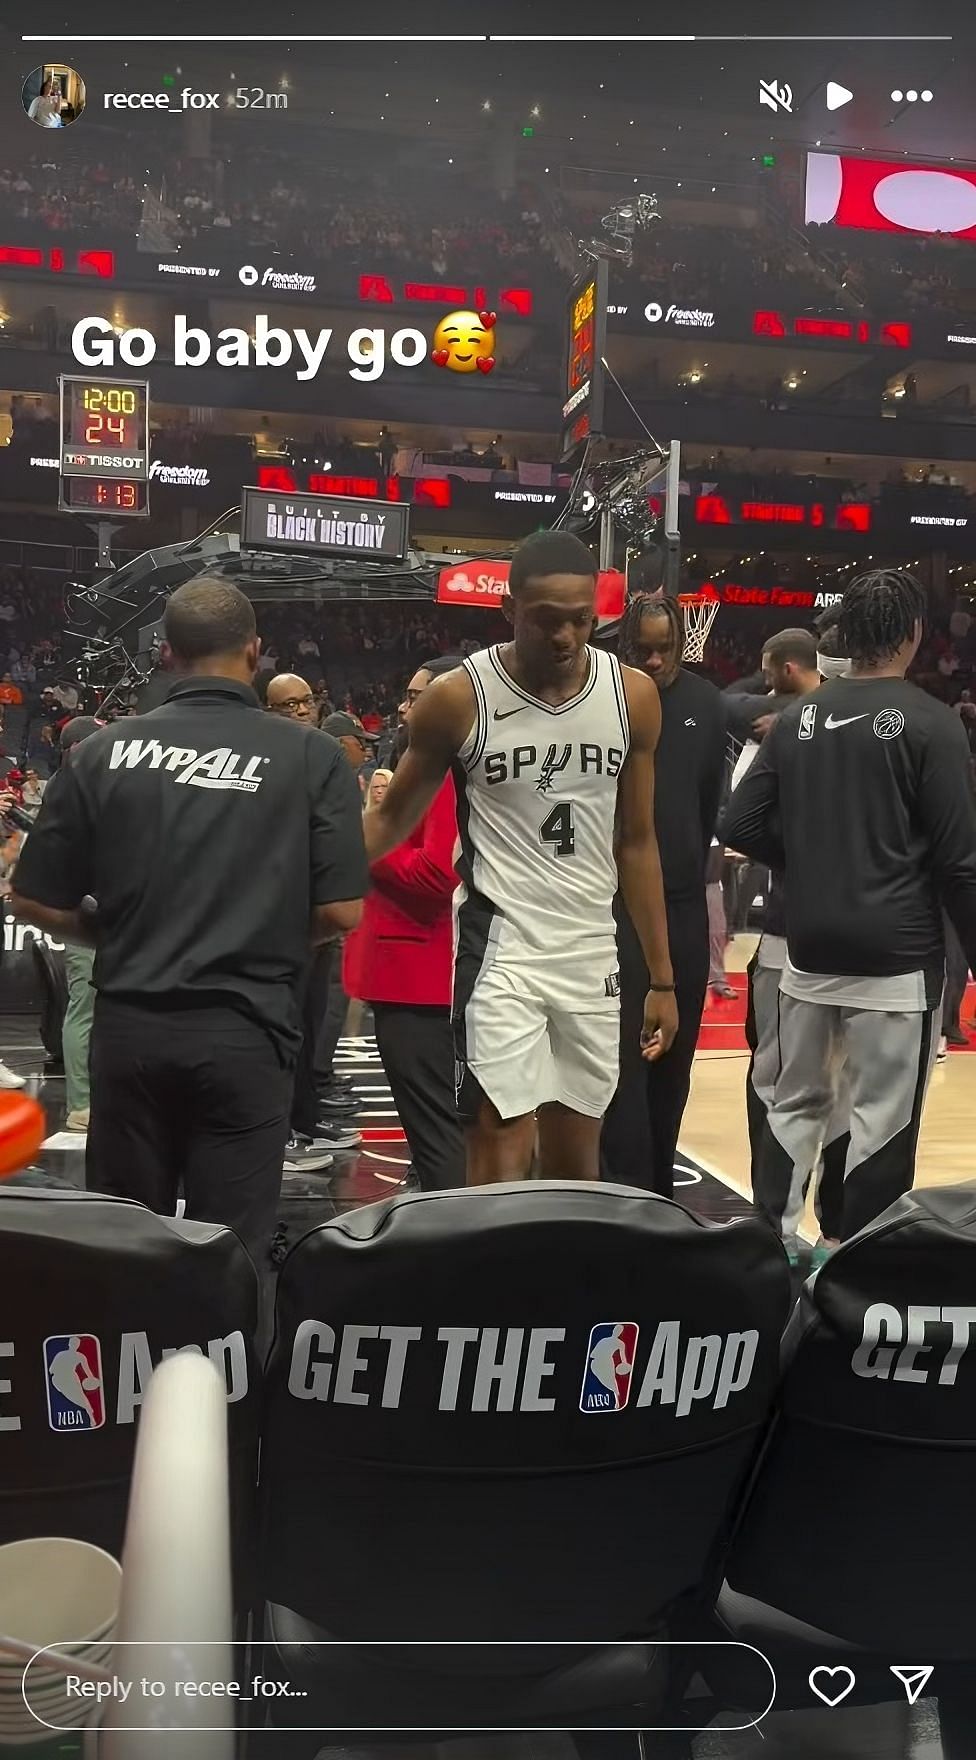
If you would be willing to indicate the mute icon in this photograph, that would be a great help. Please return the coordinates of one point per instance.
(914, 1678)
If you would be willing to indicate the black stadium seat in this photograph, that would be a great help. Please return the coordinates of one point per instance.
(448, 1453)
(858, 1543)
(109, 1283)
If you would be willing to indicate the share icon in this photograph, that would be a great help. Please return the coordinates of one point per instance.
(914, 1678)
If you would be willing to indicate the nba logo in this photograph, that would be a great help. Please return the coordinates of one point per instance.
(808, 720)
(73, 1376)
(609, 1366)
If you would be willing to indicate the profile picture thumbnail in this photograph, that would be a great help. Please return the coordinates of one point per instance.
(53, 95)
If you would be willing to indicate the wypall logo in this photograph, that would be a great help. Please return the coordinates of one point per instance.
(219, 769)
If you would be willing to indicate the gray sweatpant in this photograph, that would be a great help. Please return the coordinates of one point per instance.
(889, 1059)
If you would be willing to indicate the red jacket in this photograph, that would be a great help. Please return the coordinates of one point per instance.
(403, 950)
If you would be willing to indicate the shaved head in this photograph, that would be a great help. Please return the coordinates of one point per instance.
(287, 694)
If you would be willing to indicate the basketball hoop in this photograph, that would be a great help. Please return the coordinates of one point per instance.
(699, 615)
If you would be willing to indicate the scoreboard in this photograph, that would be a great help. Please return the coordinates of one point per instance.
(586, 341)
(104, 452)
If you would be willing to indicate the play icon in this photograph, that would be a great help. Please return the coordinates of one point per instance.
(914, 1678)
(837, 96)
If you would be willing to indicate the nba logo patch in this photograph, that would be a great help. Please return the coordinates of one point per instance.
(808, 721)
(75, 1386)
(609, 1366)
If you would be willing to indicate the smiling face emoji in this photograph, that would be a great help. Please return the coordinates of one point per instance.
(464, 343)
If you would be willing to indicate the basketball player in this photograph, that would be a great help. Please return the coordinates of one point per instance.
(640, 1132)
(552, 745)
(792, 665)
(863, 796)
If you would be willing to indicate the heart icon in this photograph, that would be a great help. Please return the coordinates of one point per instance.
(440, 357)
(837, 1683)
(488, 320)
(485, 363)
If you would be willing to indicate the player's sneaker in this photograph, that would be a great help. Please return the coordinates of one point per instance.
(332, 1133)
(10, 1079)
(304, 1155)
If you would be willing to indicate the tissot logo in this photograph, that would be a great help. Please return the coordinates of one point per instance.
(219, 769)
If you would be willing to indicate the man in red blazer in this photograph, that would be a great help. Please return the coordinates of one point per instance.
(401, 959)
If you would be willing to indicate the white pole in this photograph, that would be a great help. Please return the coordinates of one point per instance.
(176, 1616)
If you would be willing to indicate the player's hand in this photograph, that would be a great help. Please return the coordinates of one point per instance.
(660, 1024)
(764, 725)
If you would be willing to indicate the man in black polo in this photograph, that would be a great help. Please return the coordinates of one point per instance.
(217, 843)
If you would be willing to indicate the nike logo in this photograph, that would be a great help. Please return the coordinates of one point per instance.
(503, 714)
(831, 723)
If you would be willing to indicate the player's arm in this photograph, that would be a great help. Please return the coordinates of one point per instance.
(751, 822)
(439, 725)
(639, 861)
(338, 874)
(947, 808)
(713, 784)
(52, 876)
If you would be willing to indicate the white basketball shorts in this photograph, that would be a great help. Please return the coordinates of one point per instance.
(530, 1032)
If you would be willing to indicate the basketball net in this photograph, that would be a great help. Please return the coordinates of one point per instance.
(700, 611)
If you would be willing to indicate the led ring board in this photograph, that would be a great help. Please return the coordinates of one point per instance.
(104, 451)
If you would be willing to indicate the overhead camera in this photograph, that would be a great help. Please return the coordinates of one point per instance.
(624, 220)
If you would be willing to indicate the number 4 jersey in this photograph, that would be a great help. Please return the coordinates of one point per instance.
(537, 792)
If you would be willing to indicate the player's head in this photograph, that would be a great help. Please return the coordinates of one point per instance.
(789, 662)
(881, 620)
(209, 628)
(424, 676)
(551, 603)
(652, 636)
(290, 696)
(832, 658)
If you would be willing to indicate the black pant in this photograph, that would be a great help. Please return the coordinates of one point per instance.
(333, 1019)
(957, 975)
(192, 1096)
(640, 1131)
(315, 1000)
(417, 1051)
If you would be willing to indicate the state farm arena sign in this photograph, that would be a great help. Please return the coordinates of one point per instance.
(799, 598)
(485, 582)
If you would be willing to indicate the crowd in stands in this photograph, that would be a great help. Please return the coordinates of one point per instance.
(361, 219)
(67, 196)
(891, 274)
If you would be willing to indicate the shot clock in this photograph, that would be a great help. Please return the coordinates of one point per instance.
(104, 446)
(586, 340)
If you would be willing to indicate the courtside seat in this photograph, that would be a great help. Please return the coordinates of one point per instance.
(518, 1418)
(857, 1545)
(94, 1292)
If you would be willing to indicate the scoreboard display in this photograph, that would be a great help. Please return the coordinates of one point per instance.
(104, 453)
(586, 339)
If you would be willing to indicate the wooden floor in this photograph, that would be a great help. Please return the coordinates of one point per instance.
(714, 1128)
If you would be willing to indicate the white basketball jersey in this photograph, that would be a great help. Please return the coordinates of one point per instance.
(537, 795)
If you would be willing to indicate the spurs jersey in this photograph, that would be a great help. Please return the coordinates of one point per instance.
(537, 793)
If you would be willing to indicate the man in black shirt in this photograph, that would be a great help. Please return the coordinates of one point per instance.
(792, 668)
(218, 843)
(640, 1131)
(312, 1138)
(863, 795)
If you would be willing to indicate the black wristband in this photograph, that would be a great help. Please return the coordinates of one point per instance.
(664, 989)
